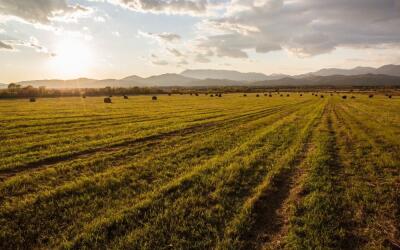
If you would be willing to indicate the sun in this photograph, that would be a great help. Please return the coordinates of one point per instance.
(73, 58)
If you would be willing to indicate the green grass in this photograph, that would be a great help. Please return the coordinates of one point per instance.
(187, 172)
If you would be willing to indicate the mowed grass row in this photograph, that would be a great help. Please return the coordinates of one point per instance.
(90, 196)
(373, 190)
(350, 197)
(24, 150)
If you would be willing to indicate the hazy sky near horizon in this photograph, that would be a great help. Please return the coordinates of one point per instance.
(44, 39)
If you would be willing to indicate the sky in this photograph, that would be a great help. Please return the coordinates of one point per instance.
(65, 39)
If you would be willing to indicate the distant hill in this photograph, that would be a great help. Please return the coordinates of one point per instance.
(168, 80)
(357, 76)
(132, 78)
(214, 83)
(228, 75)
(334, 80)
(392, 70)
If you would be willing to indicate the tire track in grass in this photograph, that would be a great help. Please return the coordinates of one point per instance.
(320, 220)
(259, 220)
(41, 163)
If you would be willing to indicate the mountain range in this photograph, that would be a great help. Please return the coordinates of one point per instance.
(385, 75)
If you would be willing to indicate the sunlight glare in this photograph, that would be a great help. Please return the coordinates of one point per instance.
(73, 58)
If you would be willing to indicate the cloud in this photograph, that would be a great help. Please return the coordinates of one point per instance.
(116, 33)
(40, 11)
(5, 46)
(165, 6)
(159, 62)
(99, 19)
(301, 27)
(201, 59)
(161, 37)
(32, 43)
(175, 52)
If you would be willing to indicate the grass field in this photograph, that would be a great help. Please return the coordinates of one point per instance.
(188, 172)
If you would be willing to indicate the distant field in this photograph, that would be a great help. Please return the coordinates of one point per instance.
(200, 172)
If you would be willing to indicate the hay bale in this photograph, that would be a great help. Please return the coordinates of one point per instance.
(301, 94)
(196, 94)
(265, 94)
(371, 95)
(287, 95)
(331, 94)
(32, 99)
(125, 97)
(244, 95)
(390, 96)
(219, 95)
(154, 98)
(281, 95)
(257, 95)
(353, 97)
(211, 95)
(322, 96)
(169, 94)
(83, 96)
(107, 100)
(344, 97)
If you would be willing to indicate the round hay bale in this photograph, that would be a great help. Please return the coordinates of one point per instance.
(371, 95)
(196, 94)
(257, 95)
(32, 99)
(211, 95)
(287, 95)
(353, 97)
(154, 98)
(107, 100)
(270, 95)
(244, 95)
(126, 97)
(169, 94)
(390, 96)
(344, 97)
(322, 96)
